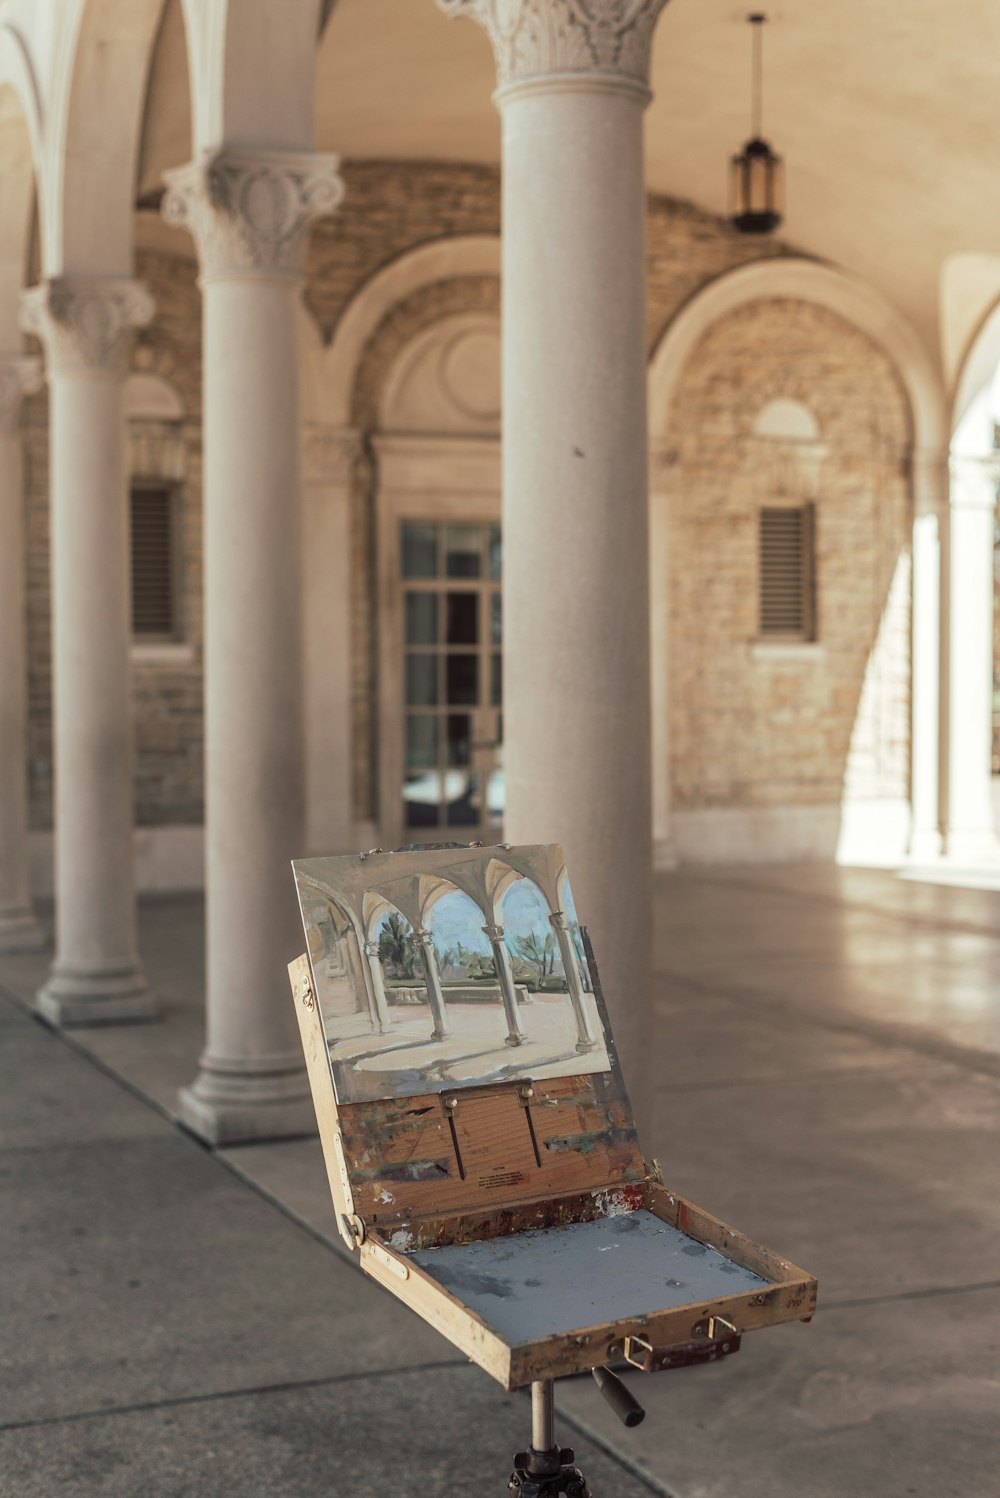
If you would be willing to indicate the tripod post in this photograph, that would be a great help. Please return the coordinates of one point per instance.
(545, 1470)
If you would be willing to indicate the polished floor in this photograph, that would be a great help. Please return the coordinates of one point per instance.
(828, 1079)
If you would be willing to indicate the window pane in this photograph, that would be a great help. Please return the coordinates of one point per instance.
(421, 741)
(152, 562)
(495, 551)
(496, 680)
(462, 791)
(422, 800)
(462, 677)
(421, 680)
(463, 545)
(421, 619)
(459, 739)
(463, 619)
(496, 619)
(419, 548)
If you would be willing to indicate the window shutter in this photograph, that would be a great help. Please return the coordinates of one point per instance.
(153, 609)
(787, 591)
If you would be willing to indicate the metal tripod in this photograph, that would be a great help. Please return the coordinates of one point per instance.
(546, 1470)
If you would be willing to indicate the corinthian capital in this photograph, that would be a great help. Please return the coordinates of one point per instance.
(536, 38)
(251, 212)
(20, 375)
(86, 324)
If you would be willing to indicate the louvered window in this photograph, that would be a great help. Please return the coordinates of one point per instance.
(787, 572)
(154, 610)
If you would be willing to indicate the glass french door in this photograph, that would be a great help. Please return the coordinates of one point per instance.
(452, 628)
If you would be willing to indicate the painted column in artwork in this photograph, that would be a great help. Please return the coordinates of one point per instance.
(250, 214)
(573, 84)
(585, 1040)
(19, 930)
(929, 648)
(86, 326)
(505, 978)
(435, 993)
(380, 1018)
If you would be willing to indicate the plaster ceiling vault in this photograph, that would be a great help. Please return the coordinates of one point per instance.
(885, 114)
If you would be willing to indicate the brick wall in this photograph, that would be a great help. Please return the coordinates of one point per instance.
(752, 727)
(799, 744)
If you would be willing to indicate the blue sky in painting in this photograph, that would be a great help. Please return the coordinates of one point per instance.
(456, 919)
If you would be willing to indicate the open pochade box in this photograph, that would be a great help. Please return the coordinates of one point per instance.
(481, 1149)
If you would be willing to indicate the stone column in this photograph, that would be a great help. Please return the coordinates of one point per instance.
(250, 215)
(572, 88)
(505, 978)
(930, 477)
(969, 836)
(435, 993)
(662, 464)
(19, 930)
(86, 326)
(330, 456)
(585, 1040)
(381, 1016)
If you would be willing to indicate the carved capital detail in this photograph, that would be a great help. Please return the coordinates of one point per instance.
(252, 212)
(20, 375)
(86, 325)
(538, 38)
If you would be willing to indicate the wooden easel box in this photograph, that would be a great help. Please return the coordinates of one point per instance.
(567, 1153)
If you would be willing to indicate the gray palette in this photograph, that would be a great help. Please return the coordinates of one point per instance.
(553, 1280)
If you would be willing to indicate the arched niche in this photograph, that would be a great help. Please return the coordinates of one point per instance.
(447, 380)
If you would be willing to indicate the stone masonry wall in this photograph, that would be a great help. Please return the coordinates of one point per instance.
(393, 207)
(756, 725)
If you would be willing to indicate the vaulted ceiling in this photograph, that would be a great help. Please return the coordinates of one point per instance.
(886, 113)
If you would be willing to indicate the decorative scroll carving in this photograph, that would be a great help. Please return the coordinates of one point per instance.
(86, 324)
(20, 375)
(532, 38)
(252, 212)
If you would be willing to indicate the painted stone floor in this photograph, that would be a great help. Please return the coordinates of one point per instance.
(176, 1321)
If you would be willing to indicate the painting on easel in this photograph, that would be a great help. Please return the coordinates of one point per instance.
(445, 970)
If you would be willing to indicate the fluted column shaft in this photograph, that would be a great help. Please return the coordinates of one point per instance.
(86, 326)
(19, 930)
(572, 76)
(505, 978)
(249, 214)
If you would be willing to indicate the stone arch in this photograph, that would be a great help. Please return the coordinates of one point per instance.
(18, 196)
(101, 64)
(252, 68)
(798, 279)
(440, 260)
(454, 276)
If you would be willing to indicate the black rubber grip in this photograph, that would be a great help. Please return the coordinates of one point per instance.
(625, 1405)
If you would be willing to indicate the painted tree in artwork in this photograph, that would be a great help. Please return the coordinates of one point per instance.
(396, 947)
(539, 950)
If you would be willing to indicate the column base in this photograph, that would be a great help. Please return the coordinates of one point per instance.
(73, 997)
(229, 1104)
(925, 846)
(585, 1046)
(514, 1040)
(20, 931)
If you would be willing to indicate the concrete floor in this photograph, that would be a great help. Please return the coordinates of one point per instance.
(178, 1322)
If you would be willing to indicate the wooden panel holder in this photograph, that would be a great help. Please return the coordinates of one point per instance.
(512, 1161)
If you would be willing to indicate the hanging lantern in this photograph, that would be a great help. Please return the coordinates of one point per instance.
(756, 175)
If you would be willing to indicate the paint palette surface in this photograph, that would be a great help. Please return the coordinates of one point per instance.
(557, 1280)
